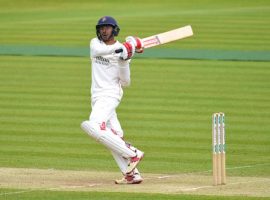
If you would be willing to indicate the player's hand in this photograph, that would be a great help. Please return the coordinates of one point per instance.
(137, 43)
(128, 50)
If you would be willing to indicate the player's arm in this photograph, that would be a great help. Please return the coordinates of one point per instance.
(129, 47)
(124, 73)
(97, 49)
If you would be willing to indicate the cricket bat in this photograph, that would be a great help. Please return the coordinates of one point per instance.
(166, 37)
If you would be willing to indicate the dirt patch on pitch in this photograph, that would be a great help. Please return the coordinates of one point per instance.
(191, 183)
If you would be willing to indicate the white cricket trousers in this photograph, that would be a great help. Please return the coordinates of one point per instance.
(104, 126)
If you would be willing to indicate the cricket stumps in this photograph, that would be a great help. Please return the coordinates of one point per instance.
(219, 147)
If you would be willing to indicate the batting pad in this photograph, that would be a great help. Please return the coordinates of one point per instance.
(108, 139)
(121, 162)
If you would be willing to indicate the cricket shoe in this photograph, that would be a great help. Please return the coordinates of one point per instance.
(134, 161)
(133, 178)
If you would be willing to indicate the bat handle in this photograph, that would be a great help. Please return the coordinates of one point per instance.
(118, 50)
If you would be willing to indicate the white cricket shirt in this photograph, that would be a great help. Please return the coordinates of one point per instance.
(109, 72)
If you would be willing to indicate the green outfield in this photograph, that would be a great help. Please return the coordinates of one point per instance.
(166, 111)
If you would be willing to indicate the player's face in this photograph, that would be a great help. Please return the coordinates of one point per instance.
(106, 32)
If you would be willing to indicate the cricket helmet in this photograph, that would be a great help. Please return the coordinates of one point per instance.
(107, 20)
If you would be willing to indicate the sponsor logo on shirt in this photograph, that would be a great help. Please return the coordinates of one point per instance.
(102, 61)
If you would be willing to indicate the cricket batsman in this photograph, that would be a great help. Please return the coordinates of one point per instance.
(110, 74)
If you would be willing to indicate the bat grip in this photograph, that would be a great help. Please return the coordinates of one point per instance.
(118, 50)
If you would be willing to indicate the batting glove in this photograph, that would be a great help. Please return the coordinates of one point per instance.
(128, 50)
(137, 43)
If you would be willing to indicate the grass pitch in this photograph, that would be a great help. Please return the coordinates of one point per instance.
(166, 112)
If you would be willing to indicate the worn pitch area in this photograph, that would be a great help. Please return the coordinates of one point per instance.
(190, 183)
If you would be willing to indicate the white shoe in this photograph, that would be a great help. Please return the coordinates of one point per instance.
(130, 179)
(133, 162)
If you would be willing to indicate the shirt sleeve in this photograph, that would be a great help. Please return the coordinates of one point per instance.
(124, 73)
(99, 49)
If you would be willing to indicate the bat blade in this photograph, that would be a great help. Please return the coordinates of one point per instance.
(167, 37)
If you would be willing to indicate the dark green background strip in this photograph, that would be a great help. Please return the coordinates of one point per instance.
(25, 50)
(149, 53)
